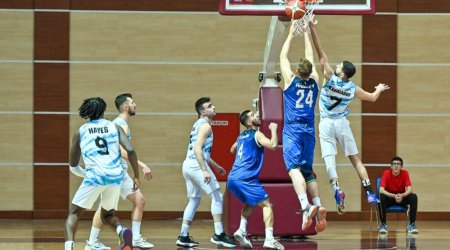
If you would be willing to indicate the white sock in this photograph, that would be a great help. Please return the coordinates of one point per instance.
(269, 233)
(136, 229)
(94, 235)
(119, 229)
(218, 227)
(243, 225)
(303, 198)
(365, 182)
(335, 186)
(184, 229)
(316, 202)
(68, 245)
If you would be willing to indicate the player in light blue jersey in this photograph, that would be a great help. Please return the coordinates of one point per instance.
(127, 108)
(300, 95)
(99, 141)
(243, 179)
(199, 177)
(336, 94)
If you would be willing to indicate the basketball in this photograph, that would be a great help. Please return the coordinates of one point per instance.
(295, 9)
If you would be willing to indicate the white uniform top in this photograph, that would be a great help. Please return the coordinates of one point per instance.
(335, 96)
(206, 149)
(99, 143)
(121, 122)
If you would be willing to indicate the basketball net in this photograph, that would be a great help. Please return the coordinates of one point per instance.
(301, 25)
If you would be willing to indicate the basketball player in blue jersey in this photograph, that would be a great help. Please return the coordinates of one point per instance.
(199, 177)
(336, 94)
(99, 141)
(300, 95)
(127, 108)
(243, 179)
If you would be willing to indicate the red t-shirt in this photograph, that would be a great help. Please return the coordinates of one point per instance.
(395, 184)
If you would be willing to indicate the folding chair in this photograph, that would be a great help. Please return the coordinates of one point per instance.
(391, 209)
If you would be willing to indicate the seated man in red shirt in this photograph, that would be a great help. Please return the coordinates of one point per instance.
(396, 189)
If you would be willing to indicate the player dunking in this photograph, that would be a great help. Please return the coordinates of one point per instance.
(336, 94)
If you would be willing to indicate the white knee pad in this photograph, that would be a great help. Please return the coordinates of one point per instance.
(216, 202)
(330, 163)
(191, 208)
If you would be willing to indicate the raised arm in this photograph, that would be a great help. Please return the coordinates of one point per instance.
(309, 55)
(285, 65)
(371, 97)
(266, 142)
(323, 59)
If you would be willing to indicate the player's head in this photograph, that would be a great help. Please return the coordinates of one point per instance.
(204, 107)
(396, 164)
(346, 69)
(249, 119)
(304, 68)
(92, 108)
(125, 103)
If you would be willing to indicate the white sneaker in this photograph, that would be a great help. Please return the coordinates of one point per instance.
(141, 242)
(243, 239)
(96, 245)
(273, 244)
(308, 214)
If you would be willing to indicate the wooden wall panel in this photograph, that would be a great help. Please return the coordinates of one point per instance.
(51, 138)
(16, 145)
(428, 189)
(386, 6)
(379, 36)
(16, 4)
(430, 85)
(140, 5)
(51, 181)
(418, 6)
(16, 88)
(422, 39)
(51, 36)
(52, 4)
(18, 43)
(51, 86)
(16, 183)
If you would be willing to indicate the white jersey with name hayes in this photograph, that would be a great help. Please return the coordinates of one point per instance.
(121, 122)
(206, 149)
(99, 143)
(335, 97)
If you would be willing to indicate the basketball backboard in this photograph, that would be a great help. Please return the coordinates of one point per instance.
(276, 7)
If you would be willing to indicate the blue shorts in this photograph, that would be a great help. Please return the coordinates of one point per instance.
(298, 149)
(250, 192)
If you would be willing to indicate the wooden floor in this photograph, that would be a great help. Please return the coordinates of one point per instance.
(49, 234)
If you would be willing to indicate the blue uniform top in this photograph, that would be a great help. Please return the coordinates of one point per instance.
(249, 157)
(335, 97)
(99, 143)
(299, 101)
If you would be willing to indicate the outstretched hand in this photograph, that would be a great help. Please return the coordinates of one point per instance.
(382, 87)
(312, 22)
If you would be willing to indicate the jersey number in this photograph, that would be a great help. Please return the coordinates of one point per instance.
(308, 100)
(337, 101)
(103, 145)
(241, 151)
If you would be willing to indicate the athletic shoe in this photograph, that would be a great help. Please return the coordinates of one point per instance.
(142, 243)
(339, 195)
(412, 228)
(372, 199)
(243, 239)
(96, 245)
(383, 228)
(223, 239)
(126, 239)
(186, 241)
(273, 244)
(308, 213)
(321, 222)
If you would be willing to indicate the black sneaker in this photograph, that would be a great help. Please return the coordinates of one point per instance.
(186, 241)
(224, 240)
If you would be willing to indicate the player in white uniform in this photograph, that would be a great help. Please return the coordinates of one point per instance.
(127, 108)
(336, 94)
(199, 177)
(99, 141)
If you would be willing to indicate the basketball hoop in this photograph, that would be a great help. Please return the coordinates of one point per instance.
(303, 22)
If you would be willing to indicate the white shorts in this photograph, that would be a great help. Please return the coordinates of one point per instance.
(86, 196)
(332, 130)
(127, 187)
(195, 184)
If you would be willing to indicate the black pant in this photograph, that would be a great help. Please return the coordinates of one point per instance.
(386, 202)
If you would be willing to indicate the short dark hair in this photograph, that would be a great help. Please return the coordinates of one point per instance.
(304, 68)
(199, 104)
(92, 108)
(397, 158)
(121, 99)
(348, 68)
(244, 117)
